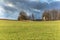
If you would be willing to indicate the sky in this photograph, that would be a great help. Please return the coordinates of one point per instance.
(10, 9)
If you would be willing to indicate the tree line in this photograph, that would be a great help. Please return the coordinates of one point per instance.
(23, 16)
(47, 15)
(51, 15)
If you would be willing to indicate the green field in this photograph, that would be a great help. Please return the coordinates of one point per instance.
(29, 30)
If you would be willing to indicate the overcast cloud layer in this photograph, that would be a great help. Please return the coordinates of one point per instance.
(11, 8)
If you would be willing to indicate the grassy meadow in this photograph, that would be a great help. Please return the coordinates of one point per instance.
(29, 30)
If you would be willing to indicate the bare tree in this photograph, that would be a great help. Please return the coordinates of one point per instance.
(32, 16)
(54, 14)
(46, 15)
(51, 14)
(58, 16)
(22, 16)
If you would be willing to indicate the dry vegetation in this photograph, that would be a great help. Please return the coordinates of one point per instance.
(21, 30)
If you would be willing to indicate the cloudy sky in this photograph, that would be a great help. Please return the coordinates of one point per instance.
(10, 9)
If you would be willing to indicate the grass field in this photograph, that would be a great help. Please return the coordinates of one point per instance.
(29, 30)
